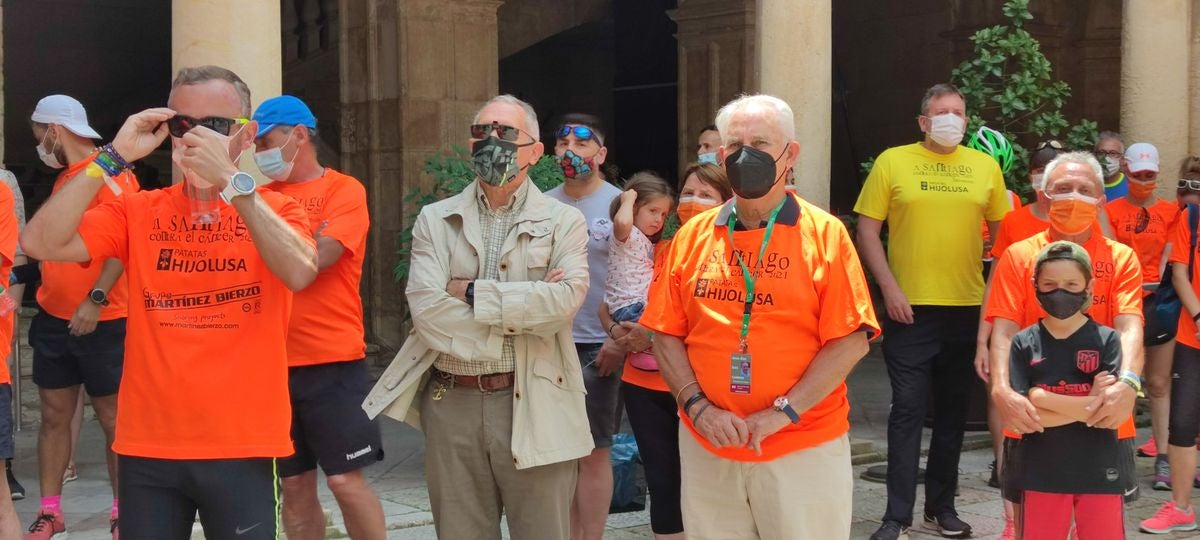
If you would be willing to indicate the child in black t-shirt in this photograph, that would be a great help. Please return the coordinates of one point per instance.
(1070, 469)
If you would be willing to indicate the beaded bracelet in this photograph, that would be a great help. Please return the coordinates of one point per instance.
(116, 157)
(107, 163)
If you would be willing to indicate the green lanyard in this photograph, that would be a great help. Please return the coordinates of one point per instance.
(750, 281)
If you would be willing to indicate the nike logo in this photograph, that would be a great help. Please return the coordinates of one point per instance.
(240, 531)
(1131, 491)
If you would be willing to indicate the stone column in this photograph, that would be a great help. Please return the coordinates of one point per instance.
(1155, 44)
(244, 37)
(716, 53)
(413, 74)
(794, 63)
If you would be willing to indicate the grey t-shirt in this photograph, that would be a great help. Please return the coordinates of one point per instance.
(586, 327)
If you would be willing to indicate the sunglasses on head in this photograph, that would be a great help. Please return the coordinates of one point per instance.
(1051, 143)
(582, 133)
(180, 124)
(1193, 185)
(506, 133)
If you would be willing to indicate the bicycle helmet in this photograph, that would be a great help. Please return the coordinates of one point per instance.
(993, 143)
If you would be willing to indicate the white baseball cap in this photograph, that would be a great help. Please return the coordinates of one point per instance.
(1142, 157)
(65, 111)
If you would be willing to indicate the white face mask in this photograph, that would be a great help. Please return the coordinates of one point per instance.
(1112, 165)
(271, 162)
(707, 157)
(48, 157)
(947, 129)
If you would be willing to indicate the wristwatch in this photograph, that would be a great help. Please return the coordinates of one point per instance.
(98, 297)
(470, 294)
(239, 184)
(782, 405)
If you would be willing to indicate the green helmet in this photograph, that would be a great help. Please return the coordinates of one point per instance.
(993, 143)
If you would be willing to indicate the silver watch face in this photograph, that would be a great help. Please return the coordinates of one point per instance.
(242, 182)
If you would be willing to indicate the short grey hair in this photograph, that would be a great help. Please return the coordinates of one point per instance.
(936, 91)
(203, 74)
(783, 113)
(531, 120)
(1079, 158)
(1110, 135)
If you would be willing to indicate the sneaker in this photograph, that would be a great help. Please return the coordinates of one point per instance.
(112, 528)
(891, 530)
(14, 487)
(1162, 476)
(1010, 531)
(1150, 449)
(70, 475)
(948, 525)
(1196, 482)
(50, 525)
(1169, 518)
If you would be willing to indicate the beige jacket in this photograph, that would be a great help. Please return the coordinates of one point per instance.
(549, 419)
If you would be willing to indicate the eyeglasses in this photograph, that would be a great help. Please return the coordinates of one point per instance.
(1193, 185)
(1111, 154)
(506, 133)
(582, 133)
(180, 124)
(1051, 143)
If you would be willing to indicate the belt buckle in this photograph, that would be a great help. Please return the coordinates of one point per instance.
(479, 383)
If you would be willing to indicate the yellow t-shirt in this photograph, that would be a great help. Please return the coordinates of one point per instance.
(933, 204)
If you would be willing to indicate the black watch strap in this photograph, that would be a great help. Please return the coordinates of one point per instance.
(791, 413)
(470, 294)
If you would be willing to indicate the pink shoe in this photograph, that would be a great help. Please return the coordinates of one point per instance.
(1170, 518)
(1150, 449)
(51, 526)
(1010, 532)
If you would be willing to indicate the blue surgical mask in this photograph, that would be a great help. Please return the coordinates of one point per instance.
(707, 157)
(271, 162)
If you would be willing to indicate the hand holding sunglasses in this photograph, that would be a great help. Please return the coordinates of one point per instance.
(206, 154)
(142, 133)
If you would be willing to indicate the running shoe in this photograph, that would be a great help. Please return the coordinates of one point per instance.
(994, 479)
(948, 525)
(14, 487)
(112, 527)
(891, 530)
(1162, 476)
(1150, 449)
(1170, 518)
(51, 526)
(70, 475)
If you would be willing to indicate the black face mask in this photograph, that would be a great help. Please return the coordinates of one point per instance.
(1061, 303)
(495, 160)
(751, 172)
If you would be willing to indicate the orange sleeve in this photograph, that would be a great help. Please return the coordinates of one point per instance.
(104, 230)
(1127, 283)
(664, 305)
(8, 225)
(1006, 298)
(291, 212)
(1180, 240)
(845, 299)
(347, 218)
(1004, 235)
(1115, 216)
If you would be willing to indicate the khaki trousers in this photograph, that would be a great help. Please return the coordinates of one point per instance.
(805, 495)
(471, 476)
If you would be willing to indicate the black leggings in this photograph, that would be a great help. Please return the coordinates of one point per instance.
(654, 417)
(1185, 396)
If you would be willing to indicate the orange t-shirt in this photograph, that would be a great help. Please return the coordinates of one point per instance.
(650, 380)
(8, 251)
(1157, 223)
(1015, 201)
(66, 285)
(1181, 238)
(810, 288)
(205, 372)
(327, 316)
(1117, 289)
(1021, 224)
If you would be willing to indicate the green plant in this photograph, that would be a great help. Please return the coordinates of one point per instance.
(451, 174)
(1009, 86)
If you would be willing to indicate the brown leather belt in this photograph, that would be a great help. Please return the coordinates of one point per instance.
(485, 383)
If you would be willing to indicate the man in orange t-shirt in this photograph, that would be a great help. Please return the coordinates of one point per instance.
(327, 372)
(760, 312)
(10, 526)
(1074, 187)
(78, 336)
(203, 408)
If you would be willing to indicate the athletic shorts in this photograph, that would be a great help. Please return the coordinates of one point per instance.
(6, 426)
(61, 360)
(1012, 491)
(236, 498)
(329, 426)
(602, 393)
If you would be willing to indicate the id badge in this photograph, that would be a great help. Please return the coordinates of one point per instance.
(739, 373)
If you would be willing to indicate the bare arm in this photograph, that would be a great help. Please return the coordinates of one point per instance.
(1015, 410)
(329, 250)
(1110, 408)
(17, 291)
(109, 274)
(982, 365)
(287, 254)
(623, 221)
(1073, 407)
(719, 426)
(870, 248)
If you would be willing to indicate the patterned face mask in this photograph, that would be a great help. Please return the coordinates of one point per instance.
(575, 167)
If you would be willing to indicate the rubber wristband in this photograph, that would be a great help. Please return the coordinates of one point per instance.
(687, 407)
(700, 412)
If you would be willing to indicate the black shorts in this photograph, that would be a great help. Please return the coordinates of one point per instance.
(236, 498)
(1013, 493)
(6, 426)
(61, 360)
(329, 426)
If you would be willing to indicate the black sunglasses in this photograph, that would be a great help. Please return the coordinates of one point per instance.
(1193, 185)
(506, 133)
(1142, 221)
(179, 124)
(1052, 144)
(582, 133)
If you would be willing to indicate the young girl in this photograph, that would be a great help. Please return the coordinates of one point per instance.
(1070, 471)
(638, 214)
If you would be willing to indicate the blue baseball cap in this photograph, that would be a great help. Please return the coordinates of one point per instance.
(283, 111)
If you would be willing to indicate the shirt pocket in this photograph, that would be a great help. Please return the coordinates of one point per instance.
(539, 245)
